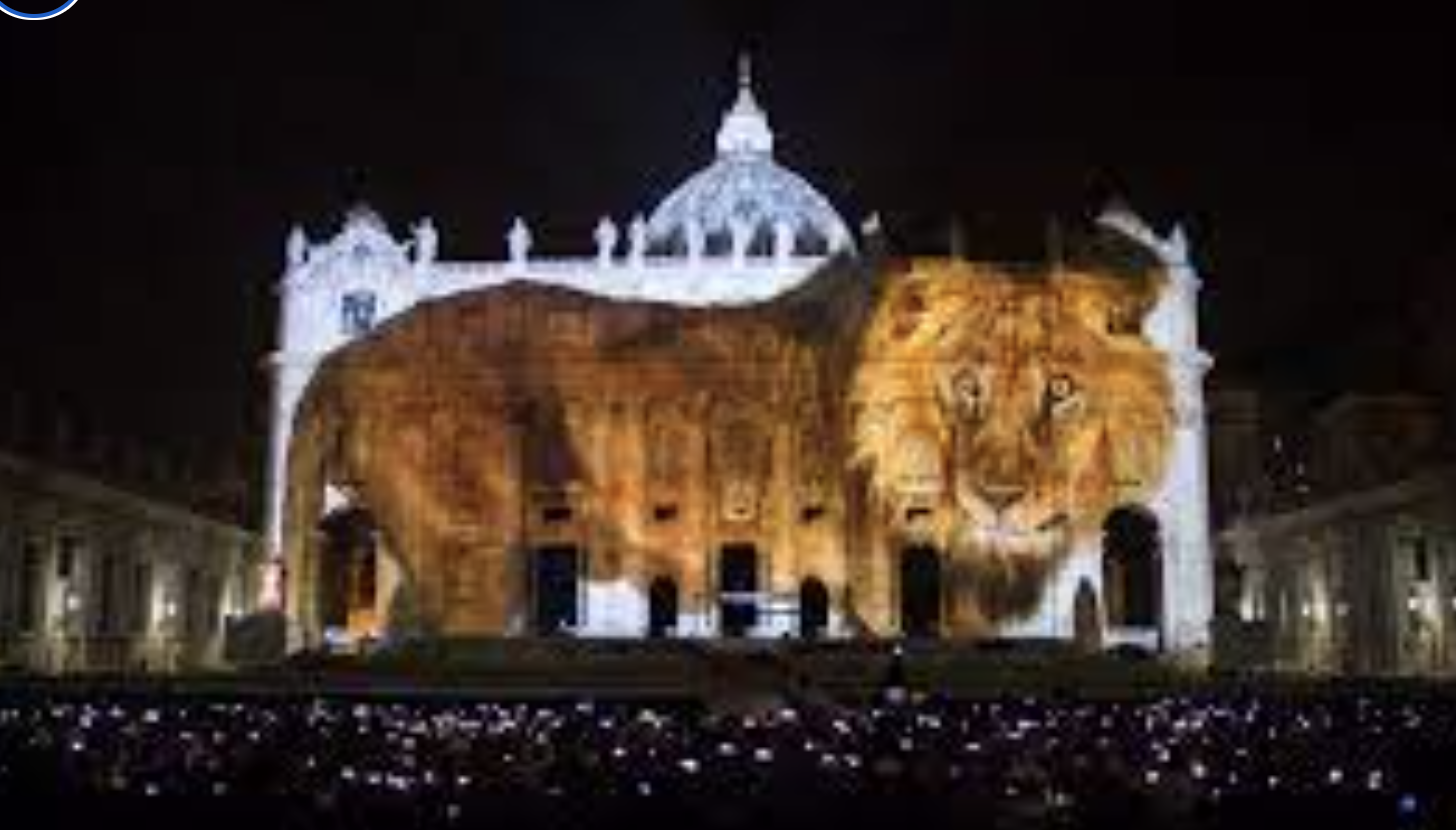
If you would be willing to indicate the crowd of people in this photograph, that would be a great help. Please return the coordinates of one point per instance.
(1204, 759)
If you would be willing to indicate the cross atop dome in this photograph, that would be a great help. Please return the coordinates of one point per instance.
(745, 127)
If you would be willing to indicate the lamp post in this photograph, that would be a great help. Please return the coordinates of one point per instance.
(169, 632)
(70, 628)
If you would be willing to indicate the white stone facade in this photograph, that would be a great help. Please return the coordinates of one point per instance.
(1363, 583)
(741, 231)
(93, 578)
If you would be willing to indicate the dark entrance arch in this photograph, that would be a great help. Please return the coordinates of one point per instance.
(348, 569)
(661, 607)
(920, 591)
(737, 583)
(1132, 567)
(813, 608)
(555, 579)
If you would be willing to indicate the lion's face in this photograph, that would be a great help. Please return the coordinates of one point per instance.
(1021, 409)
(1012, 425)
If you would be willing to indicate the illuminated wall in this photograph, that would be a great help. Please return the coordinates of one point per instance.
(98, 579)
(995, 415)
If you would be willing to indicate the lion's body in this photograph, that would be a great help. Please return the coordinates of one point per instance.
(995, 416)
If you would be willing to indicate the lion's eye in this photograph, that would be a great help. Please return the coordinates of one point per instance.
(1060, 389)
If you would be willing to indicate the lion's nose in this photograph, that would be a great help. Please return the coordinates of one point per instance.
(1002, 496)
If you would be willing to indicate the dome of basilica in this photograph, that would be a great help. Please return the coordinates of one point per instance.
(745, 189)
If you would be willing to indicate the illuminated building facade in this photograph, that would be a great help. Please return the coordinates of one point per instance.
(732, 421)
(96, 578)
(1353, 569)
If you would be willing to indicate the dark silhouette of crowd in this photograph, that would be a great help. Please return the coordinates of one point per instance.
(1210, 759)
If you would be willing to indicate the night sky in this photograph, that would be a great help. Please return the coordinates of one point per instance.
(156, 154)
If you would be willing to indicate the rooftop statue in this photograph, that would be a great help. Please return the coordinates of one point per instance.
(518, 241)
(606, 236)
(637, 234)
(297, 247)
(427, 241)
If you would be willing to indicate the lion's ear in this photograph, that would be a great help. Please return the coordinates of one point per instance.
(904, 322)
(1142, 297)
(1126, 315)
(1116, 306)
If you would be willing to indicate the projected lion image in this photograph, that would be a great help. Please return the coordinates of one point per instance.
(532, 459)
(1045, 406)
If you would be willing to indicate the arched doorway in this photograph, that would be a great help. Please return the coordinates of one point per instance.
(1132, 568)
(555, 589)
(661, 607)
(920, 591)
(813, 608)
(737, 589)
(351, 599)
(1086, 618)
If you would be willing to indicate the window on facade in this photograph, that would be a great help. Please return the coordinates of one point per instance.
(141, 597)
(30, 595)
(668, 451)
(209, 602)
(556, 514)
(107, 586)
(191, 602)
(9, 585)
(66, 558)
(741, 450)
(552, 459)
(664, 513)
(357, 313)
(1421, 560)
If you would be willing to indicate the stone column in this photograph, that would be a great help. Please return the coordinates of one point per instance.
(1182, 510)
(699, 604)
(290, 376)
(1181, 503)
(872, 557)
(780, 510)
(514, 524)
